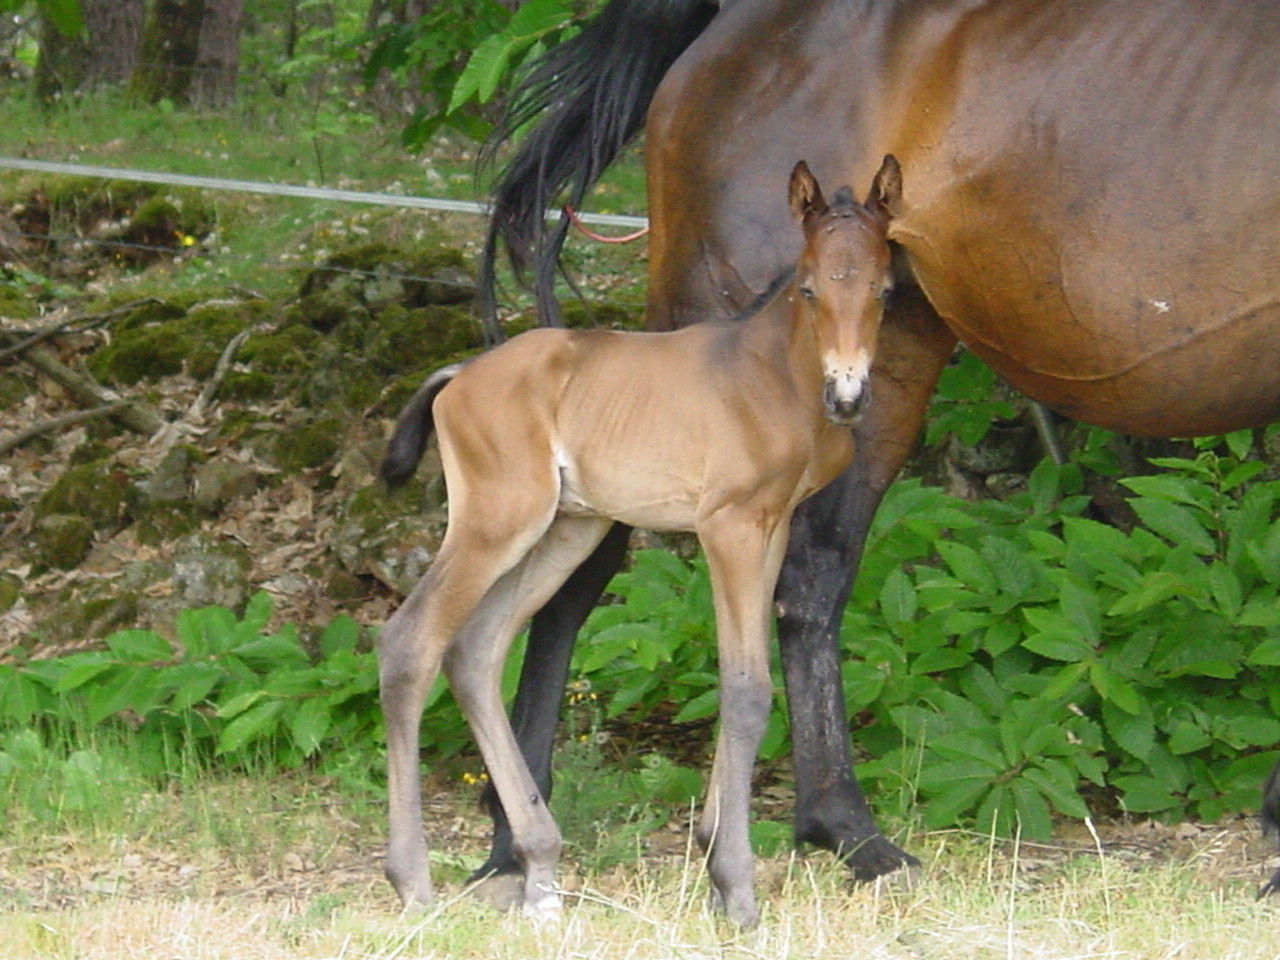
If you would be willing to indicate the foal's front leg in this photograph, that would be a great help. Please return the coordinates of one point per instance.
(744, 555)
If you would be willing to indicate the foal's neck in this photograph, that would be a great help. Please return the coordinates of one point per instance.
(783, 337)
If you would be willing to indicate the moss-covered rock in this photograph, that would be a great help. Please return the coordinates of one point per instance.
(14, 387)
(209, 570)
(143, 353)
(589, 315)
(165, 520)
(405, 340)
(377, 274)
(391, 537)
(149, 312)
(95, 491)
(308, 445)
(248, 385)
(61, 541)
(290, 349)
(10, 591)
(218, 482)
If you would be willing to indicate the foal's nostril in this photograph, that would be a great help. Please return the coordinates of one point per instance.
(844, 401)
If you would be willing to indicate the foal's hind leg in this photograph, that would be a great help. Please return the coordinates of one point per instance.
(536, 710)
(473, 665)
(410, 649)
(744, 553)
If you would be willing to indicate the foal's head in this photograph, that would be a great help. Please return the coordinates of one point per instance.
(843, 278)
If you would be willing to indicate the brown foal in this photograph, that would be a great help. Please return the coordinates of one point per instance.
(718, 428)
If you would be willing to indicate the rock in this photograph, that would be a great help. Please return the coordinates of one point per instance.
(210, 571)
(62, 540)
(218, 482)
(95, 491)
(171, 479)
(388, 537)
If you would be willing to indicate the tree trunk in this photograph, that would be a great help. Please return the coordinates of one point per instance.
(103, 55)
(114, 30)
(217, 62)
(167, 58)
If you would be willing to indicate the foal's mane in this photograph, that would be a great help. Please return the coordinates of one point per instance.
(768, 295)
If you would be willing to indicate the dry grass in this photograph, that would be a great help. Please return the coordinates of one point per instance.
(246, 871)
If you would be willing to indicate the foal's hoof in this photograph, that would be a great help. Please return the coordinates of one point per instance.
(544, 908)
(1272, 885)
(502, 891)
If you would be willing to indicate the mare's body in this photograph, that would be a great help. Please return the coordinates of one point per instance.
(1092, 205)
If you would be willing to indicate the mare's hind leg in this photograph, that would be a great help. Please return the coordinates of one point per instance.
(543, 676)
(743, 555)
(473, 665)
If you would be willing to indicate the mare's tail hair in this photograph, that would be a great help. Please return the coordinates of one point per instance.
(590, 96)
(414, 429)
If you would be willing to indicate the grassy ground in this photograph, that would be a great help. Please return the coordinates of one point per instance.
(247, 868)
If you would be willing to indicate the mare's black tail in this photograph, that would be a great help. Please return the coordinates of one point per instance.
(590, 96)
(414, 429)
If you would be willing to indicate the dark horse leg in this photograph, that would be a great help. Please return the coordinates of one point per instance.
(827, 536)
(536, 709)
(1271, 823)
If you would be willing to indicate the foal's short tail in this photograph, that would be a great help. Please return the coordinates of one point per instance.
(414, 428)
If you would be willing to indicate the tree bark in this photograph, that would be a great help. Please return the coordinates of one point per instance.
(103, 55)
(167, 57)
(217, 63)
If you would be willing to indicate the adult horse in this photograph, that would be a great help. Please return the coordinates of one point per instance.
(1092, 205)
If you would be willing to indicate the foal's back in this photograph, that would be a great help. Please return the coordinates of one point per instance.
(652, 429)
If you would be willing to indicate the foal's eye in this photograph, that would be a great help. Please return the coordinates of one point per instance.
(807, 292)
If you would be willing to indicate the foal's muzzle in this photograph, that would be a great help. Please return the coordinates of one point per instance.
(844, 400)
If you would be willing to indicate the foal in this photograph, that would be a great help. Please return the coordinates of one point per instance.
(546, 441)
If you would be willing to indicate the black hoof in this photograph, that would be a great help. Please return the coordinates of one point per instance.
(876, 857)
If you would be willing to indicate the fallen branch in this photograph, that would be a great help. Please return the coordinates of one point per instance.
(61, 423)
(73, 325)
(219, 374)
(137, 416)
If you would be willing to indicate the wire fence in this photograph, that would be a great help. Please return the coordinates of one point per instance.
(319, 194)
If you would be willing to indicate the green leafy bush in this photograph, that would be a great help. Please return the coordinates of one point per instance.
(230, 688)
(1000, 655)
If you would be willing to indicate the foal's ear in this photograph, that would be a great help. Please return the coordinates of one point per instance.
(885, 197)
(804, 194)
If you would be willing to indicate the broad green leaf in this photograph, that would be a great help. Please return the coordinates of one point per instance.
(703, 705)
(81, 669)
(898, 598)
(1080, 606)
(1135, 733)
(309, 724)
(1226, 589)
(253, 723)
(239, 703)
(1114, 689)
(342, 633)
(1034, 821)
(968, 565)
(1175, 523)
(139, 645)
